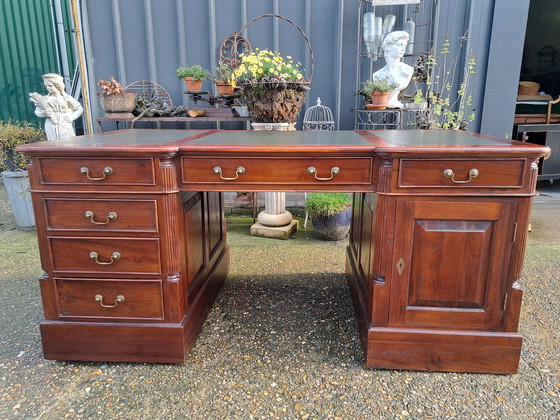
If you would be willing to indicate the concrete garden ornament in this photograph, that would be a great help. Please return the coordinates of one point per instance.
(395, 71)
(59, 108)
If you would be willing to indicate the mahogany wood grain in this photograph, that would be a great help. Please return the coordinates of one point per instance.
(263, 172)
(432, 236)
(450, 351)
(195, 241)
(136, 215)
(125, 171)
(76, 299)
(422, 173)
(137, 255)
(434, 266)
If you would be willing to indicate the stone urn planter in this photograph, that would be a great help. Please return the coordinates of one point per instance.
(118, 103)
(114, 99)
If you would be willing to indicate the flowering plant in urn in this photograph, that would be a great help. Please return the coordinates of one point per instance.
(273, 86)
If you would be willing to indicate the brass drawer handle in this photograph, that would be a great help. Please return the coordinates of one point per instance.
(106, 171)
(110, 216)
(114, 257)
(119, 299)
(448, 173)
(313, 171)
(239, 171)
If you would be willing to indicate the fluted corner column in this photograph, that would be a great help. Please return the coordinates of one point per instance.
(275, 213)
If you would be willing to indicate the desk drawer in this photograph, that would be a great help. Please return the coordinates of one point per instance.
(97, 171)
(461, 173)
(105, 255)
(289, 171)
(106, 215)
(109, 299)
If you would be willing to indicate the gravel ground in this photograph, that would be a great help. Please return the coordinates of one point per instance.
(280, 342)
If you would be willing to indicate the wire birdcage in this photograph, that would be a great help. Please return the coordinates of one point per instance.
(318, 118)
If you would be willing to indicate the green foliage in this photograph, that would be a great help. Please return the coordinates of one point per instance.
(320, 205)
(12, 134)
(196, 72)
(419, 97)
(223, 73)
(451, 109)
(378, 85)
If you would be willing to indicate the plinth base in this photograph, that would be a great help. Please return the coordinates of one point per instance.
(280, 232)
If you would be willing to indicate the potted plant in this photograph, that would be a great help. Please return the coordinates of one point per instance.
(114, 98)
(223, 79)
(193, 76)
(418, 101)
(274, 88)
(330, 214)
(13, 169)
(378, 90)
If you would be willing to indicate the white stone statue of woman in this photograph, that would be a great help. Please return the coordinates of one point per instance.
(395, 71)
(59, 108)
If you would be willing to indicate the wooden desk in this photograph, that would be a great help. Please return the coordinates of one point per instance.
(133, 238)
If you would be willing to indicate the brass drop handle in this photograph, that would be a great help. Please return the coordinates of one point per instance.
(110, 216)
(448, 173)
(106, 171)
(119, 299)
(114, 257)
(313, 171)
(239, 171)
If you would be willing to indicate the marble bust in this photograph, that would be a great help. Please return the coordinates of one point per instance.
(59, 108)
(395, 71)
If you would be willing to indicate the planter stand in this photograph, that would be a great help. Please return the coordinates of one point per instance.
(275, 221)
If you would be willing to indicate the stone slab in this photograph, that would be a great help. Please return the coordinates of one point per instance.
(280, 232)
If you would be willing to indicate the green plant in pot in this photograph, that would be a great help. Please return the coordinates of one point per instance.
(193, 76)
(378, 91)
(223, 78)
(330, 214)
(12, 168)
(114, 98)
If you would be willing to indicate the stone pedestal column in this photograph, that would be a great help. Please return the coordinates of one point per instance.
(275, 221)
(275, 213)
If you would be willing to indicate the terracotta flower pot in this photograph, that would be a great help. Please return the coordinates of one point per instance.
(379, 100)
(224, 88)
(193, 85)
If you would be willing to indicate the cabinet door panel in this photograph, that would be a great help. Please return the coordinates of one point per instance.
(451, 266)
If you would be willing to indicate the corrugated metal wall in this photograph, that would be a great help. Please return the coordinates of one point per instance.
(149, 39)
(27, 51)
